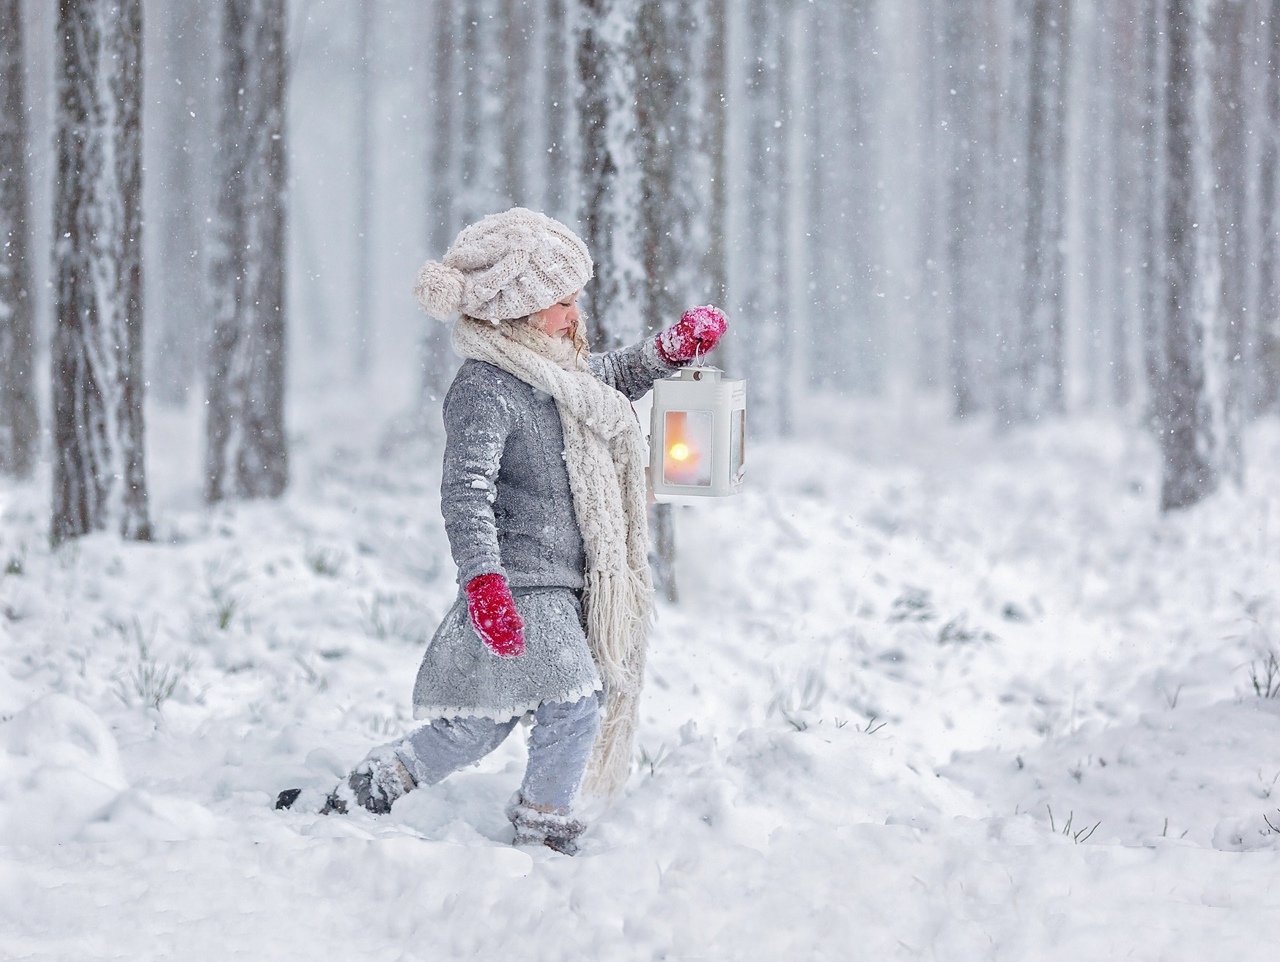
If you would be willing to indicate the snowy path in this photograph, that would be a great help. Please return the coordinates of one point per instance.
(892, 661)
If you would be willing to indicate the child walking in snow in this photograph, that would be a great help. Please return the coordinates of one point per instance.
(543, 497)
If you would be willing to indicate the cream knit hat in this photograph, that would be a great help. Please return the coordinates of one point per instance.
(505, 266)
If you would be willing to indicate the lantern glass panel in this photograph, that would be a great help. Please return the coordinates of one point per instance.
(687, 458)
(737, 445)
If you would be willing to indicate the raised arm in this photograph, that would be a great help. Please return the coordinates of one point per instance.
(632, 370)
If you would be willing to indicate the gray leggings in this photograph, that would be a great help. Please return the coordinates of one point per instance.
(560, 743)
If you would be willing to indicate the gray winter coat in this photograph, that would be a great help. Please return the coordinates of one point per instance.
(508, 508)
(505, 490)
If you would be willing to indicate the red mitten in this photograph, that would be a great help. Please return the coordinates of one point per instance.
(494, 616)
(694, 334)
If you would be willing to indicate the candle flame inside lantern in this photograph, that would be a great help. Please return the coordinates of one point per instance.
(688, 436)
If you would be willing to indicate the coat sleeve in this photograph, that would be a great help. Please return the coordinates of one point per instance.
(477, 421)
(631, 370)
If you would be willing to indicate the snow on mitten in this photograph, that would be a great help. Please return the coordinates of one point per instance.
(494, 616)
(695, 333)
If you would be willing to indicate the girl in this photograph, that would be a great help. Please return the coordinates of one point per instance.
(543, 497)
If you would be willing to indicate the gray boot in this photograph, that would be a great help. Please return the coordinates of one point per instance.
(535, 827)
(374, 784)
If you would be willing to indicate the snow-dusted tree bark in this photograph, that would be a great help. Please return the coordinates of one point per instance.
(1041, 359)
(515, 137)
(441, 93)
(712, 138)
(98, 479)
(19, 419)
(1152, 277)
(611, 176)
(677, 189)
(1269, 202)
(1186, 436)
(246, 453)
(666, 134)
(1228, 23)
(441, 97)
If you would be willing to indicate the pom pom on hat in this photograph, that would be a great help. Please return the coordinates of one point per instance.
(440, 289)
(505, 266)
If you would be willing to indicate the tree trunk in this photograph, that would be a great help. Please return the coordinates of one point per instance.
(559, 101)
(515, 97)
(1152, 295)
(442, 182)
(712, 145)
(19, 417)
(1269, 202)
(246, 453)
(1186, 433)
(610, 170)
(1041, 360)
(99, 479)
(1229, 146)
(933, 193)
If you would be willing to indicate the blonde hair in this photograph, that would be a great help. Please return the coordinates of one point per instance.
(579, 339)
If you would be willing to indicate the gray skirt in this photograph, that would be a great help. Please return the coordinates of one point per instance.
(461, 678)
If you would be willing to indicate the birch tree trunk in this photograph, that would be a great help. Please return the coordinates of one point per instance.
(1186, 437)
(19, 418)
(246, 454)
(98, 480)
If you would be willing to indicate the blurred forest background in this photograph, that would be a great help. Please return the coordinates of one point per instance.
(1025, 208)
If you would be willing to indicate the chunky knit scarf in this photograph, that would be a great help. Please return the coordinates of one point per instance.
(604, 451)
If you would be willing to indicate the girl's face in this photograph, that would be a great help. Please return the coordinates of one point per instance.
(559, 319)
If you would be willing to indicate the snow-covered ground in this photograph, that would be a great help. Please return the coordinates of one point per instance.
(928, 693)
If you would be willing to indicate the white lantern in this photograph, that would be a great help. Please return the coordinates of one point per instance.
(697, 438)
